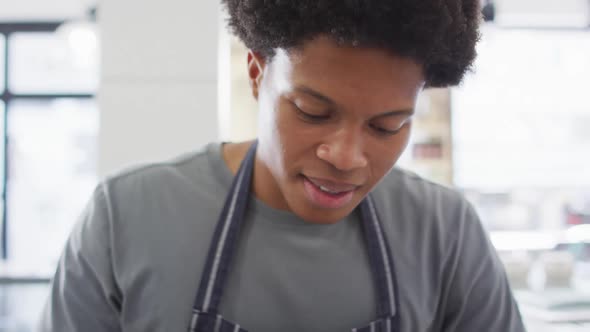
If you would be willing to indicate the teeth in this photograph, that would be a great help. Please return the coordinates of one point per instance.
(322, 188)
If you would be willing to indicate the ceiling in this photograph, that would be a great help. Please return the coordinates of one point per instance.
(43, 10)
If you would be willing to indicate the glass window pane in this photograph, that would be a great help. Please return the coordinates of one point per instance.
(528, 106)
(52, 171)
(2, 117)
(2, 59)
(2, 110)
(49, 62)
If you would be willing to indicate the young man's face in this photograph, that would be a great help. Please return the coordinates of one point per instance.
(333, 121)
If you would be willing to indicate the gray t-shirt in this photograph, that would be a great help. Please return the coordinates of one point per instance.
(133, 261)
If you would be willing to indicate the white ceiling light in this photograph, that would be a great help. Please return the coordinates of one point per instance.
(83, 41)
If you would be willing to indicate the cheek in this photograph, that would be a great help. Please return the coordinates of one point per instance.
(281, 140)
(270, 141)
(293, 133)
(385, 155)
(289, 138)
(403, 141)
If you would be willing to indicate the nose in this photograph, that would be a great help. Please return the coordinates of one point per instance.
(344, 151)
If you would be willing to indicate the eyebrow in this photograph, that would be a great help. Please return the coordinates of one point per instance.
(328, 100)
(315, 94)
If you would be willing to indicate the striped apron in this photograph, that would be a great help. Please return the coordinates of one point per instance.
(206, 317)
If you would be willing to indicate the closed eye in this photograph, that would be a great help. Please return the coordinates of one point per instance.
(310, 117)
(387, 132)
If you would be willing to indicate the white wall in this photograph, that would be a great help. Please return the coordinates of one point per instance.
(160, 82)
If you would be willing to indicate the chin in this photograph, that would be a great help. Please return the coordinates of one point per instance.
(322, 216)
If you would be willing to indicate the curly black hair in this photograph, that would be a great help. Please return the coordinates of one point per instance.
(439, 34)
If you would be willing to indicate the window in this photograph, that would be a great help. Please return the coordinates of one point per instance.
(3, 234)
(49, 122)
(520, 138)
(521, 118)
(2, 63)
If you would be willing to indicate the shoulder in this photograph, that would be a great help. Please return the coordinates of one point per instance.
(160, 203)
(405, 192)
(194, 169)
(153, 172)
(156, 192)
(417, 187)
(420, 215)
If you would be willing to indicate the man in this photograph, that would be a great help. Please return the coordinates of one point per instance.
(310, 227)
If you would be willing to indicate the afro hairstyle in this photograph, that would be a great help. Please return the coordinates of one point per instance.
(438, 34)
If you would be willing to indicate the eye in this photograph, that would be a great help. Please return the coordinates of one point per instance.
(388, 132)
(310, 117)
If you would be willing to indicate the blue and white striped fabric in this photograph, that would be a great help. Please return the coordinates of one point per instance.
(206, 317)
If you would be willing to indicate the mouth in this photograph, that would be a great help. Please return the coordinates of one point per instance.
(328, 194)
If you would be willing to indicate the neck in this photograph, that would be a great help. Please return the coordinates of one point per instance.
(234, 153)
(264, 185)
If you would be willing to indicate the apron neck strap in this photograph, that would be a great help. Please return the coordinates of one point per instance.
(225, 237)
(380, 259)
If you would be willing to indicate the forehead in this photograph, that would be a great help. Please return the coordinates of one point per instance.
(346, 70)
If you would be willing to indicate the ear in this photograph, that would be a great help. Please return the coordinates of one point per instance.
(256, 64)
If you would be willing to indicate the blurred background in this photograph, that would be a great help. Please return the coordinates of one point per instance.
(89, 87)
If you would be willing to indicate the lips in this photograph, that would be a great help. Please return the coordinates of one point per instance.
(331, 186)
(328, 194)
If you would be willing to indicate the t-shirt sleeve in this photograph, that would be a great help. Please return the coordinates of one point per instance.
(83, 294)
(479, 295)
